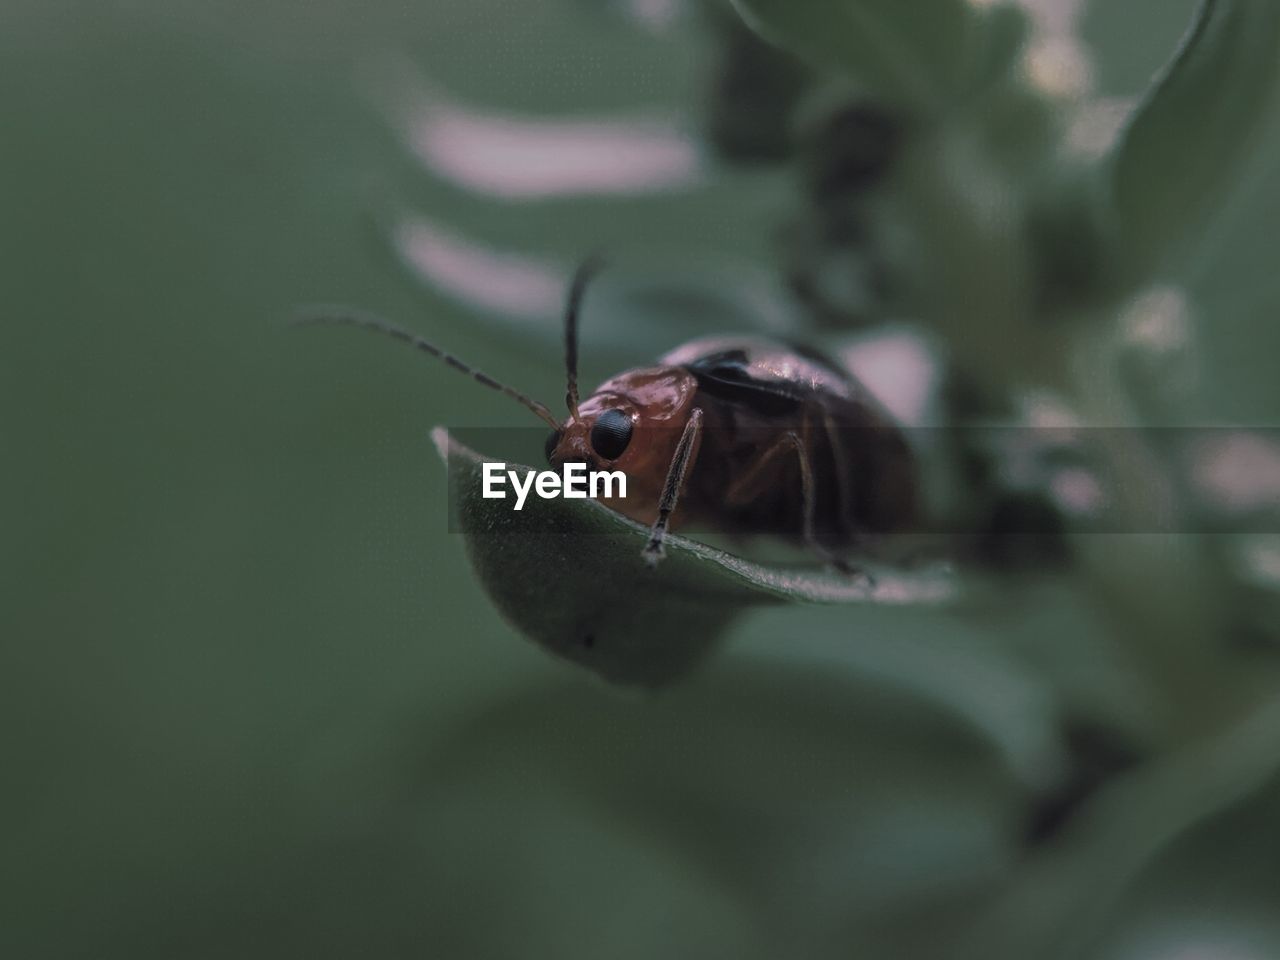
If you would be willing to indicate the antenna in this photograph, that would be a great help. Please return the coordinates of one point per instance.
(349, 318)
(577, 287)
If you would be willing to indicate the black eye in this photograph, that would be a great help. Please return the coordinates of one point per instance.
(610, 434)
(553, 441)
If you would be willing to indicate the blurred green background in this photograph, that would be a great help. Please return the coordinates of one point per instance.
(254, 703)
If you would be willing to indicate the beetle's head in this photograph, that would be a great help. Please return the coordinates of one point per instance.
(626, 419)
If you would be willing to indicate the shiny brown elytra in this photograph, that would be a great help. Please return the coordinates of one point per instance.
(740, 435)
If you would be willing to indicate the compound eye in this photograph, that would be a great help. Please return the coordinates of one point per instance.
(553, 441)
(610, 434)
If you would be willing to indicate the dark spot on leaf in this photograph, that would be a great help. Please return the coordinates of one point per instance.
(1096, 755)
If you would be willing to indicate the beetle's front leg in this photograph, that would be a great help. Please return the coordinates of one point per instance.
(681, 462)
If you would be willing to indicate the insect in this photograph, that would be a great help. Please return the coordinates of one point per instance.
(741, 435)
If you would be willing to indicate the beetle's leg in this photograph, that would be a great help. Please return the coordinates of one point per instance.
(748, 485)
(756, 478)
(808, 496)
(681, 462)
(844, 475)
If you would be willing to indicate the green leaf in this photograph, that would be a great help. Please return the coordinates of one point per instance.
(570, 576)
(1189, 139)
(1001, 38)
(1124, 842)
(792, 803)
(647, 300)
(913, 52)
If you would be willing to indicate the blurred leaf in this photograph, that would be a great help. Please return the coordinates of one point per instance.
(1185, 145)
(647, 301)
(1129, 42)
(1066, 898)
(912, 53)
(569, 575)
(825, 808)
(1212, 893)
(1017, 672)
(528, 157)
(961, 256)
(1004, 31)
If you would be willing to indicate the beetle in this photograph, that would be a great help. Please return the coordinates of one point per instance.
(739, 434)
